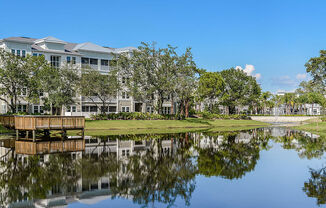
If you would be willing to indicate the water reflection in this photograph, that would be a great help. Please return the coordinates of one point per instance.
(146, 169)
(230, 155)
(307, 145)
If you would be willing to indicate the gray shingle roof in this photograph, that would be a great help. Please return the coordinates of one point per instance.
(38, 48)
(50, 39)
(70, 48)
(20, 39)
(92, 47)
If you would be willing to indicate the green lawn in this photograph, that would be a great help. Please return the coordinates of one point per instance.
(109, 127)
(314, 127)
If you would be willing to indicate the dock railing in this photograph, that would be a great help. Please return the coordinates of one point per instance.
(43, 122)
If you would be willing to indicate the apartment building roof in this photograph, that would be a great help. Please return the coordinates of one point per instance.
(88, 46)
(39, 48)
(71, 48)
(20, 39)
(50, 39)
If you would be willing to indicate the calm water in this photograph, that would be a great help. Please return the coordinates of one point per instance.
(270, 167)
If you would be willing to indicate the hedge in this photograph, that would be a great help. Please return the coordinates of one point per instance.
(207, 115)
(136, 116)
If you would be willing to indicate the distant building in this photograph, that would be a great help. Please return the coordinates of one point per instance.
(87, 54)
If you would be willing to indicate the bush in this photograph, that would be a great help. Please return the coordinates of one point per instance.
(136, 116)
(207, 115)
(323, 119)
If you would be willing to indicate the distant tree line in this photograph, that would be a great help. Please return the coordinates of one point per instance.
(155, 75)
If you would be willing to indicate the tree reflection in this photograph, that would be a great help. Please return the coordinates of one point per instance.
(307, 145)
(155, 175)
(158, 176)
(21, 180)
(316, 186)
(232, 155)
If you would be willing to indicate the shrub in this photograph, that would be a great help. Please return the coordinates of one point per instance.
(136, 116)
(207, 115)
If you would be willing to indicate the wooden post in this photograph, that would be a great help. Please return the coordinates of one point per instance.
(27, 134)
(33, 135)
(17, 134)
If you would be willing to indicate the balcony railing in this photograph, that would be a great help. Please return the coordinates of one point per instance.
(90, 66)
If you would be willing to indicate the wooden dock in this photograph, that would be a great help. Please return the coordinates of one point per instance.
(44, 123)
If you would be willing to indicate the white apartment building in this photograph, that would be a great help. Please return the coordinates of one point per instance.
(59, 52)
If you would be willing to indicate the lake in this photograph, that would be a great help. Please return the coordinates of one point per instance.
(266, 167)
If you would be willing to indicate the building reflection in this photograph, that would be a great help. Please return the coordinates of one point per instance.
(145, 169)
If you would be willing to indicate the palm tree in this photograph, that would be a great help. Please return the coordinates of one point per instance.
(265, 96)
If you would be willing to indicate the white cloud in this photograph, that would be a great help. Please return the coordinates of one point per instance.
(249, 70)
(301, 76)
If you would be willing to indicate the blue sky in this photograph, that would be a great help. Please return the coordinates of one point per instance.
(275, 37)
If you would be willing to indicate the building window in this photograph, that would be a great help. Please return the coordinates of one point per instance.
(68, 59)
(93, 108)
(85, 108)
(68, 109)
(93, 61)
(125, 95)
(125, 109)
(36, 109)
(73, 60)
(13, 51)
(41, 109)
(84, 60)
(55, 61)
(150, 109)
(104, 62)
(112, 109)
(40, 54)
(166, 110)
(34, 54)
(23, 53)
(74, 109)
(104, 108)
(41, 93)
(18, 52)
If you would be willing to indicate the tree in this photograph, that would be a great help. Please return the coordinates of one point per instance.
(186, 81)
(95, 85)
(210, 87)
(240, 89)
(18, 78)
(288, 99)
(316, 66)
(155, 74)
(265, 98)
(61, 85)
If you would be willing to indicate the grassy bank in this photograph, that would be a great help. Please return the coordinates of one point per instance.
(110, 127)
(313, 127)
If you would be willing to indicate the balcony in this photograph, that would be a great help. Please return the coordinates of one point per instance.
(90, 66)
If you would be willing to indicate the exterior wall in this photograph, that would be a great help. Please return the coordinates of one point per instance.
(54, 46)
(18, 46)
